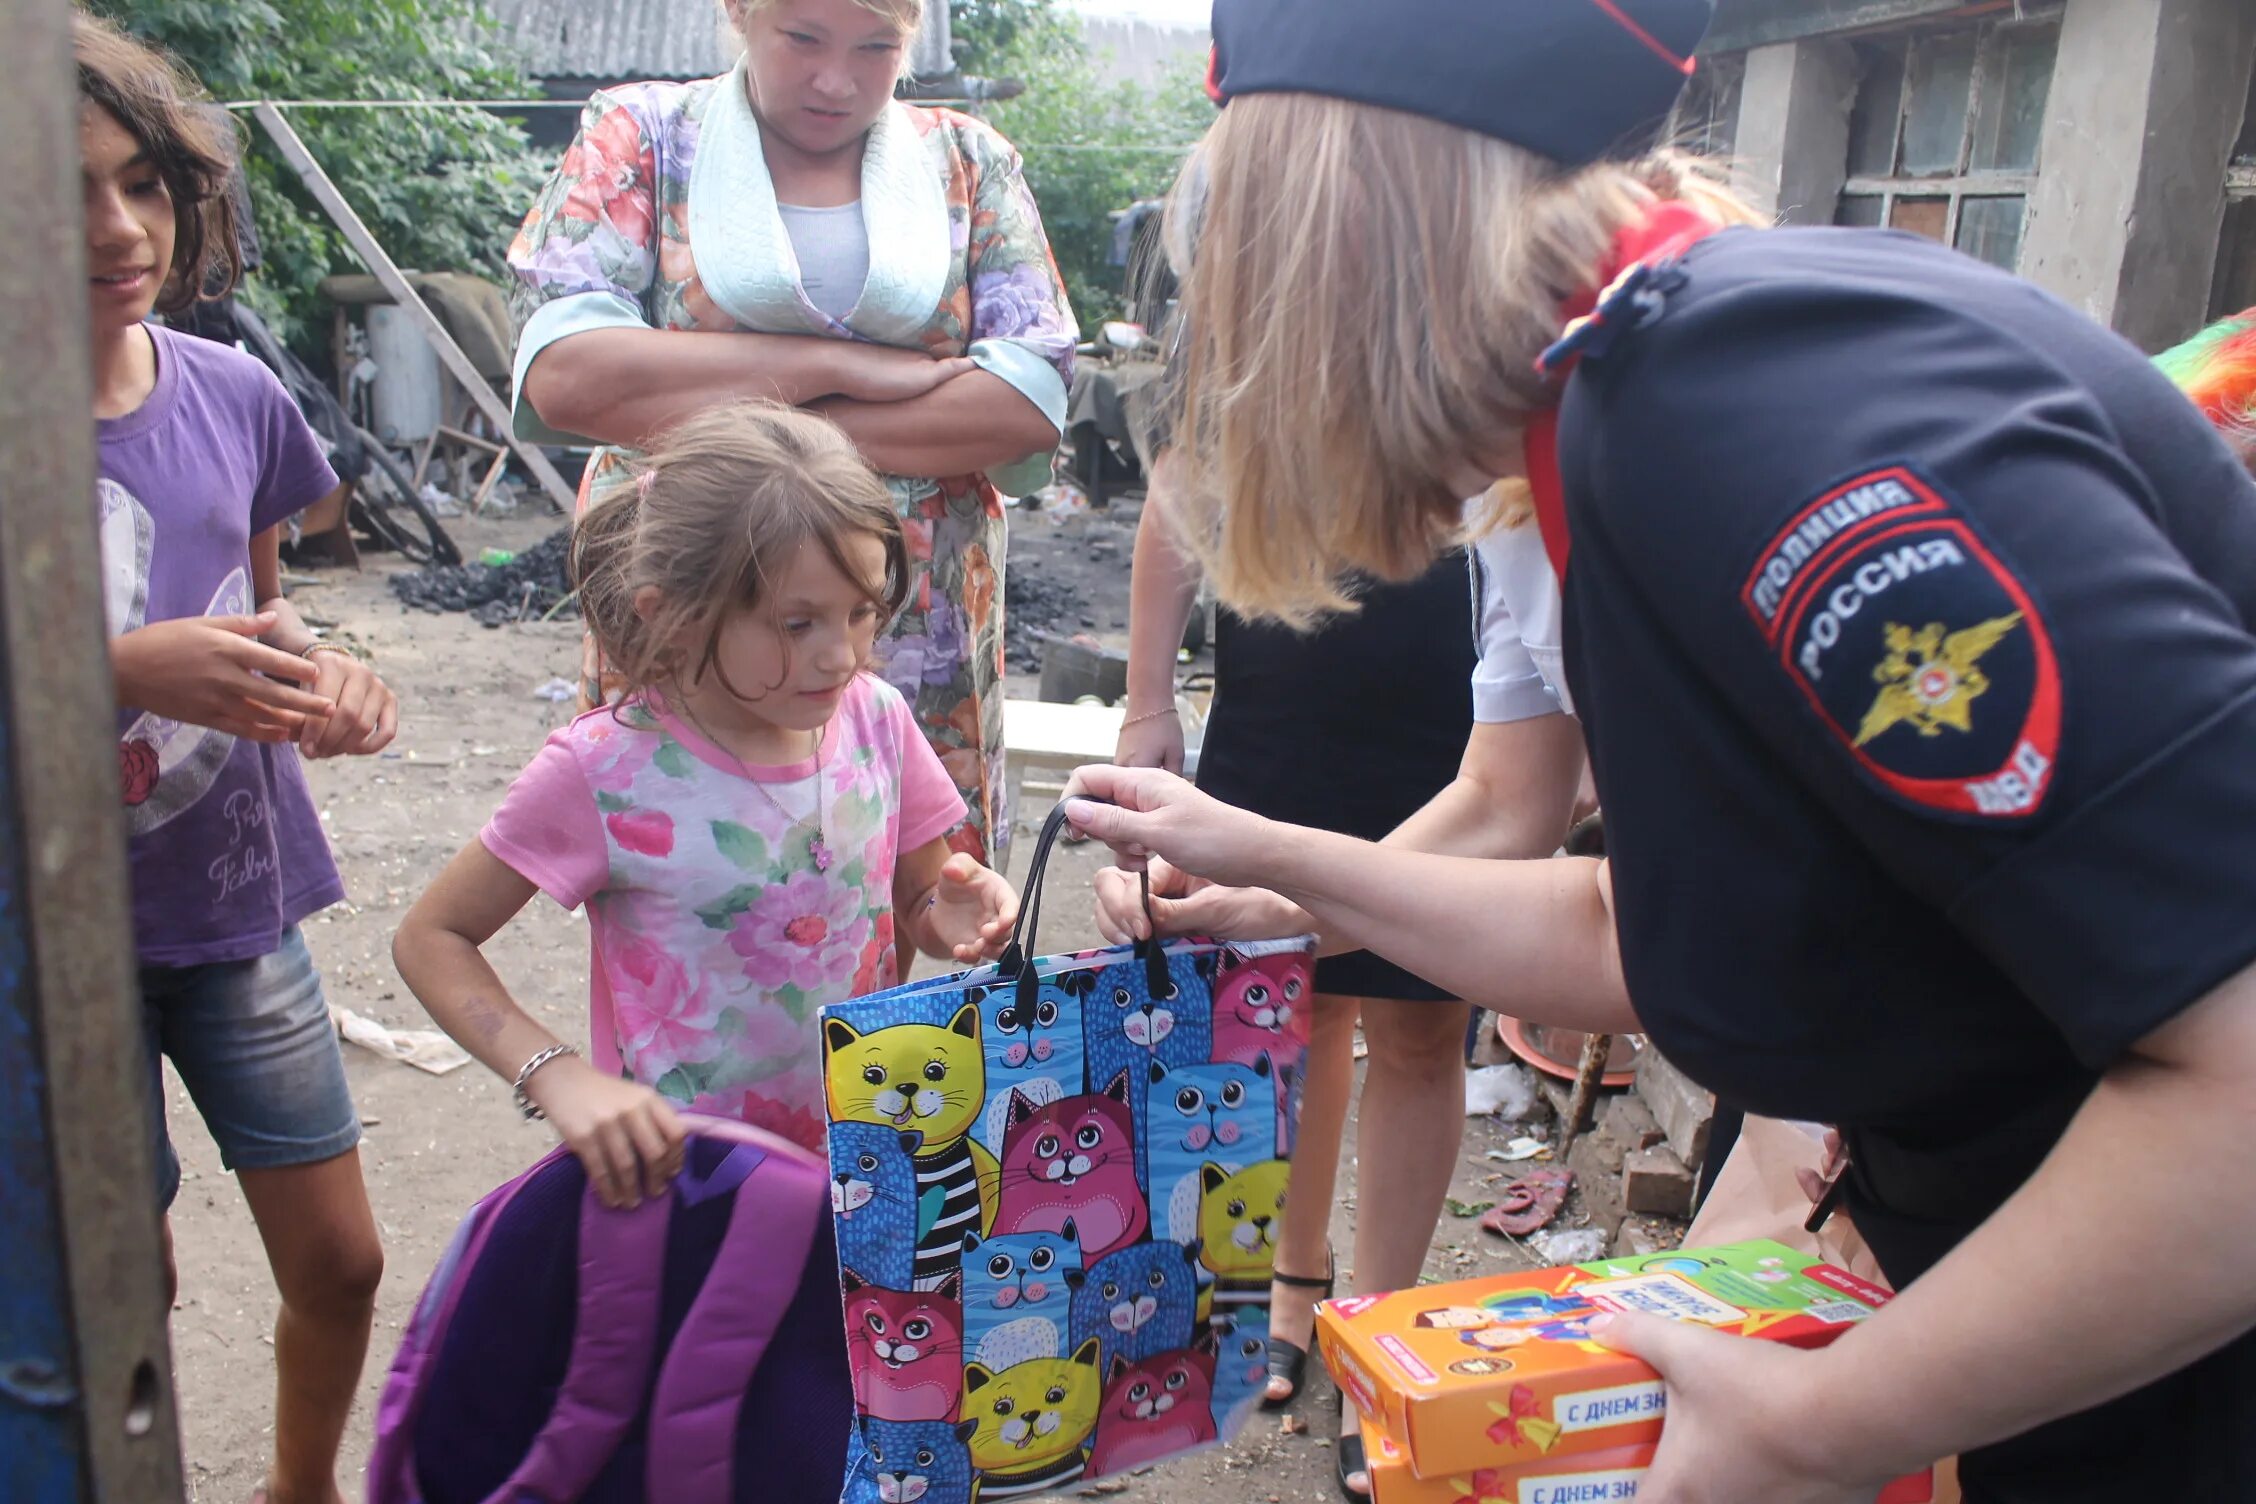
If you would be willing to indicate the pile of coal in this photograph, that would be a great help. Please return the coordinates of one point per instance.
(524, 589)
(1034, 603)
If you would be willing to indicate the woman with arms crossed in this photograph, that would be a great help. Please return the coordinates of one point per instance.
(789, 231)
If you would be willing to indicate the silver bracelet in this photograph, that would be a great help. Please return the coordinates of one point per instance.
(525, 1104)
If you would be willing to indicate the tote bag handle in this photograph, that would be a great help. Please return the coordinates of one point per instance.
(1017, 961)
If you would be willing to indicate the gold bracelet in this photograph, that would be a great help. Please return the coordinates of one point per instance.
(1149, 715)
(312, 648)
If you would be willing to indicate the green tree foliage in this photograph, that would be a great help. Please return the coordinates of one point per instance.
(443, 189)
(1093, 146)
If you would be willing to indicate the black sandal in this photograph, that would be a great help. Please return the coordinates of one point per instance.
(1349, 1452)
(1289, 1361)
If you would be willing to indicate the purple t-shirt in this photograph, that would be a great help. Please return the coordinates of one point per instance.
(227, 851)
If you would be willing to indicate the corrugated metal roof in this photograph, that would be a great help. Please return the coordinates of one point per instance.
(654, 38)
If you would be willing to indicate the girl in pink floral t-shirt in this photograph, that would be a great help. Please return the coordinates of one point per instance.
(749, 830)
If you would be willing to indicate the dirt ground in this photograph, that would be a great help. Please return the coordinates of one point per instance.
(469, 720)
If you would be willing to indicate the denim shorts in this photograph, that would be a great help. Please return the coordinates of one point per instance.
(254, 1046)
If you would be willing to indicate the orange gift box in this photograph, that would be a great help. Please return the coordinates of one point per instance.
(1589, 1478)
(1502, 1372)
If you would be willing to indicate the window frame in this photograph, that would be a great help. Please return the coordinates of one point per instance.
(1963, 185)
(2240, 197)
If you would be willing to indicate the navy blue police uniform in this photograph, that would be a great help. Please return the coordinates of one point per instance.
(1909, 617)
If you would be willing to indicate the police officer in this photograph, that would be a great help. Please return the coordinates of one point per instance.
(1909, 617)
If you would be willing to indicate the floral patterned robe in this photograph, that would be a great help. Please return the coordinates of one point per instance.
(662, 215)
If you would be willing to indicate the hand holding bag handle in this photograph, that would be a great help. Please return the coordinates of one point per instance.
(1017, 960)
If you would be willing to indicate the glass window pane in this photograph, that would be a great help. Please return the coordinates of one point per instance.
(2010, 100)
(1922, 216)
(1878, 114)
(1861, 210)
(1989, 229)
(1942, 80)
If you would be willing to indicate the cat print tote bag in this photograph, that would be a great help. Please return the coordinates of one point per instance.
(1056, 1185)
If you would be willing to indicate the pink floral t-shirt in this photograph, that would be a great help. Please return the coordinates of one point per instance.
(722, 918)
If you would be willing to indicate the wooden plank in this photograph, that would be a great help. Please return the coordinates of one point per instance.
(1588, 1074)
(86, 1400)
(1741, 24)
(380, 264)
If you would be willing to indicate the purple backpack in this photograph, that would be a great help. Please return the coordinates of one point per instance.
(689, 1351)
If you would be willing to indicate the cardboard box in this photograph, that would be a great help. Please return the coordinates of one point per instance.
(1590, 1478)
(1502, 1372)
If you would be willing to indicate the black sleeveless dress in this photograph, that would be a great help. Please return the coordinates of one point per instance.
(1351, 728)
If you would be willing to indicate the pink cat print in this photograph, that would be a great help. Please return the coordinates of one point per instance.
(1073, 1161)
(1259, 1003)
(906, 1349)
(1155, 1408)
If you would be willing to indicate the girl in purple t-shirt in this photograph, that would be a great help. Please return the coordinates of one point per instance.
(751, 829)
(221, 689)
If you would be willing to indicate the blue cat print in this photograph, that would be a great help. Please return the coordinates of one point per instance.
(1138, 1302)
(1241, 1363)
(1037, 1049)
(1018, 1296)
(1224, 1114)
(1126, 1027)
(873, 1200)
(910, 1462)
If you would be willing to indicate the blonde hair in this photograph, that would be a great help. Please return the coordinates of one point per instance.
(1367, 299)
(719, 507)
(907, 15)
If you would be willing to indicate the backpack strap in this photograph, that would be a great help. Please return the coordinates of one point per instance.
(391, 1463)
(622, 1270)
(700, 1392)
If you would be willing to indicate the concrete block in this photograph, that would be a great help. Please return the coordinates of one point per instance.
(1628, 1119)
(1656, 1183)
(1683, 1109)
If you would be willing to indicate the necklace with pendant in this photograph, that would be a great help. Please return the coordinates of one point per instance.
(818, 840)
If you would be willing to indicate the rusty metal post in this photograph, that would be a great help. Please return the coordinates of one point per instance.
(86, 1408)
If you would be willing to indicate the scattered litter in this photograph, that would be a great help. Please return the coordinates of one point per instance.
(371, 1121)
(1061, 501)
(1499, 1089)
(555, 690)
(1466, 1208)
(1529, 1203)
(425, 1049)
(1577, 1246)
(1519, 1149)
(496, 558)
(1292, 1425)
(442, 503)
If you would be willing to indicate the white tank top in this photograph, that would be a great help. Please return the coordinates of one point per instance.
(833, 250)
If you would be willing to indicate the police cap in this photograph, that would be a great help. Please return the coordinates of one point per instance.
(1572, 80)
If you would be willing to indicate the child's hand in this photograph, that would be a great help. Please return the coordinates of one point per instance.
(213, 671)
(626, 1136)
(367, 711)
(972, 912)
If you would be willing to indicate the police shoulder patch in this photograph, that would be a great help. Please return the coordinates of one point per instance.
(1915, 644)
